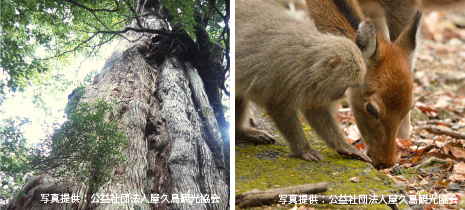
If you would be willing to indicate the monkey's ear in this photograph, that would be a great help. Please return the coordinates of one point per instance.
(333, 63)
(407, 39)
(366, 39)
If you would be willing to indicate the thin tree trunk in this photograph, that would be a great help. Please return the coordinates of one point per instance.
(175, 148)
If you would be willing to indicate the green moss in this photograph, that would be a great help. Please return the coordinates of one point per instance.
(409, 172)
(270, 166)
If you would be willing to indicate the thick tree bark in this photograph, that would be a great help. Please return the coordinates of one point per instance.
(176, 147)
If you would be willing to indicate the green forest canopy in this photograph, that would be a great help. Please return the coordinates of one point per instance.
(68, 28)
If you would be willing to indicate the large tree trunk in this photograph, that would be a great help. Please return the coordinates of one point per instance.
(176, 147)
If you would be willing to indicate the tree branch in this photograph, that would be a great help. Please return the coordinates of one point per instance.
(135, 14)
(224, 89)
(218, 11)
(93, 49)
(82, 43)
(221, 35)
(441, 131)
(191, 44)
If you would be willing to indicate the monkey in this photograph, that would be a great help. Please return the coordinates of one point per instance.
(288, 67)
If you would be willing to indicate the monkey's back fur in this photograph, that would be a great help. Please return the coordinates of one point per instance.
(283, 61)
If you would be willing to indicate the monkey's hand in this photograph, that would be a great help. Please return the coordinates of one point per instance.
(255, 136)
(353, 152)
(312, 155)
(252, 122)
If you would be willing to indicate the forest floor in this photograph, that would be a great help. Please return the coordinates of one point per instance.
(431, 163)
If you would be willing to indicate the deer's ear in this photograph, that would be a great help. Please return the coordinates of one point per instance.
(408, 38)
(366, 39)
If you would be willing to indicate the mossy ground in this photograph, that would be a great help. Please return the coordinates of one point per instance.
(270, 166)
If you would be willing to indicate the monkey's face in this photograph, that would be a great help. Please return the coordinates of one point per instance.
(380, 105)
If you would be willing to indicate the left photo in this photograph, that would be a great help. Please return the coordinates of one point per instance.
(115, 104)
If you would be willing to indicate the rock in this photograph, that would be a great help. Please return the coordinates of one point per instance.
(447, 175)
(454, 42)
(454, 187)
(396, 170)
(420, 74)
(417, 115)
(462, 54)
(365, 171)
(445, 114)
(461, 89)
(447, 62)
(452, 78)
(458, 20)
(432, 170)
(425, 135)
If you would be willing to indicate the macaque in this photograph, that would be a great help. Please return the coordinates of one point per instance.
(287, 67)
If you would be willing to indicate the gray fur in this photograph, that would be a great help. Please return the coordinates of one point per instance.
(287, 66)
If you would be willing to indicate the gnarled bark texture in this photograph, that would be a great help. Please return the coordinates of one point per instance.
(176, 146)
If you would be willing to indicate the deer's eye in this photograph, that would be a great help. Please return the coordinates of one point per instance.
(371, 110)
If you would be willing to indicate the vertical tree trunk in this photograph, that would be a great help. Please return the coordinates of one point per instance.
(176, 147)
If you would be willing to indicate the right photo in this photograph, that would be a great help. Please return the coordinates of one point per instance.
(349, 104)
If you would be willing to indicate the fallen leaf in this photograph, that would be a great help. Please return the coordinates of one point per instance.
(445, 149)
(293, 208)
(349, 140)
(439, 183)
(412, 192)
(456, 177)
(440, 144)
(457, 152)
(355, 179)
(428, 110)
(406, 162)
(400, 180)
(360, 146)
(402, 143)
(353, 132)
(402, 153)
(425, 181)
(425, 57)
(439, 155)
(303, 207)
(459, 168)
(442, 102)
(386, 171)
(416, 159)
(426, 141)
(432, 27)
(433, 206)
